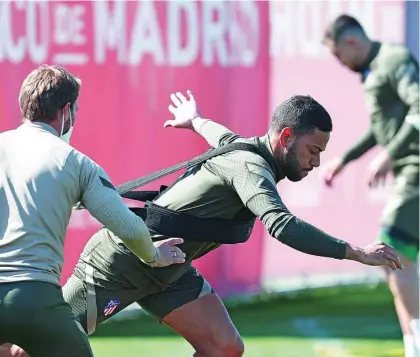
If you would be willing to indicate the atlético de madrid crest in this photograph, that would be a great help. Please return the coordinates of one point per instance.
(111, 307)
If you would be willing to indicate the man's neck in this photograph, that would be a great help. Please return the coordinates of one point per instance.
(42, 123)
(273, 142)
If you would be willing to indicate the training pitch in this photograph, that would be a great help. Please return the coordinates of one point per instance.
(339, 322)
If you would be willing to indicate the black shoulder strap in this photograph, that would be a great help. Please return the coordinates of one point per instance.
(141, 181)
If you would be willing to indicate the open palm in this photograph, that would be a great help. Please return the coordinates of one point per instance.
(184, 110)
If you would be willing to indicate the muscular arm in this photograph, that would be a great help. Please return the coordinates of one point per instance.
(103, 202)
(215, 134)
(366, 142)
(256, 187)
(405, 80)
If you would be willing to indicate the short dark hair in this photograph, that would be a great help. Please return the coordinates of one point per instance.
(45, 91)
(302, 114)
(340, 25)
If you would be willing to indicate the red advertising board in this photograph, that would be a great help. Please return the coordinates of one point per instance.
(130, 56)
(241, 59)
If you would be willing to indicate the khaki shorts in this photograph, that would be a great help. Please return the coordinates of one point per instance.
(92, 304)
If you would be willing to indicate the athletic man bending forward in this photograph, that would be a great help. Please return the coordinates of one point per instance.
(108, 277)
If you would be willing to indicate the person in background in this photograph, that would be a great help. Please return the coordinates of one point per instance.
(390, 78)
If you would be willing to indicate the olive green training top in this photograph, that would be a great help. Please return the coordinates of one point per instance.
(221, 188)
(390, 80)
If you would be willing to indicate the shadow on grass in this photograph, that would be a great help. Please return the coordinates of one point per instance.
(346, 312)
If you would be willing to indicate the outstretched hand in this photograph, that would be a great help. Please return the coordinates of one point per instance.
(379, 169)
(184, 111)
(333, 168)
(381, 254)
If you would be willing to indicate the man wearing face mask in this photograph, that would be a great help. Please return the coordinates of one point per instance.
(390, 78)
(41, 179)
(235, 187)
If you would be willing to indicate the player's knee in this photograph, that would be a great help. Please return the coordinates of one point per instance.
(228, 347)
(5, 350)
(16, 351)
(9, 350)
(237, 349)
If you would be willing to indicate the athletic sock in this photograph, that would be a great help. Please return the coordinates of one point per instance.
(415, 330)
(410, 349)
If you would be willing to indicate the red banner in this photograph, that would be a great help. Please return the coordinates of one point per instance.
(130, 56)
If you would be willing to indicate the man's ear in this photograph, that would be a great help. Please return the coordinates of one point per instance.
(67, 106)
(285, 136)
(65, 109)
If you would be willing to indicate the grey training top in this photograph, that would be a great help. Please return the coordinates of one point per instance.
(41, 180)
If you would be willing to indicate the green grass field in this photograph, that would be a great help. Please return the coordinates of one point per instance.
(342, 322)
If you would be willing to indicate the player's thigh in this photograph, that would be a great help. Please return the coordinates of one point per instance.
(206, 325)
(193, 309)
(403, 283)
(405, 280)
(400, 221)
(41, 322)
(98, 287)
(93, 304)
